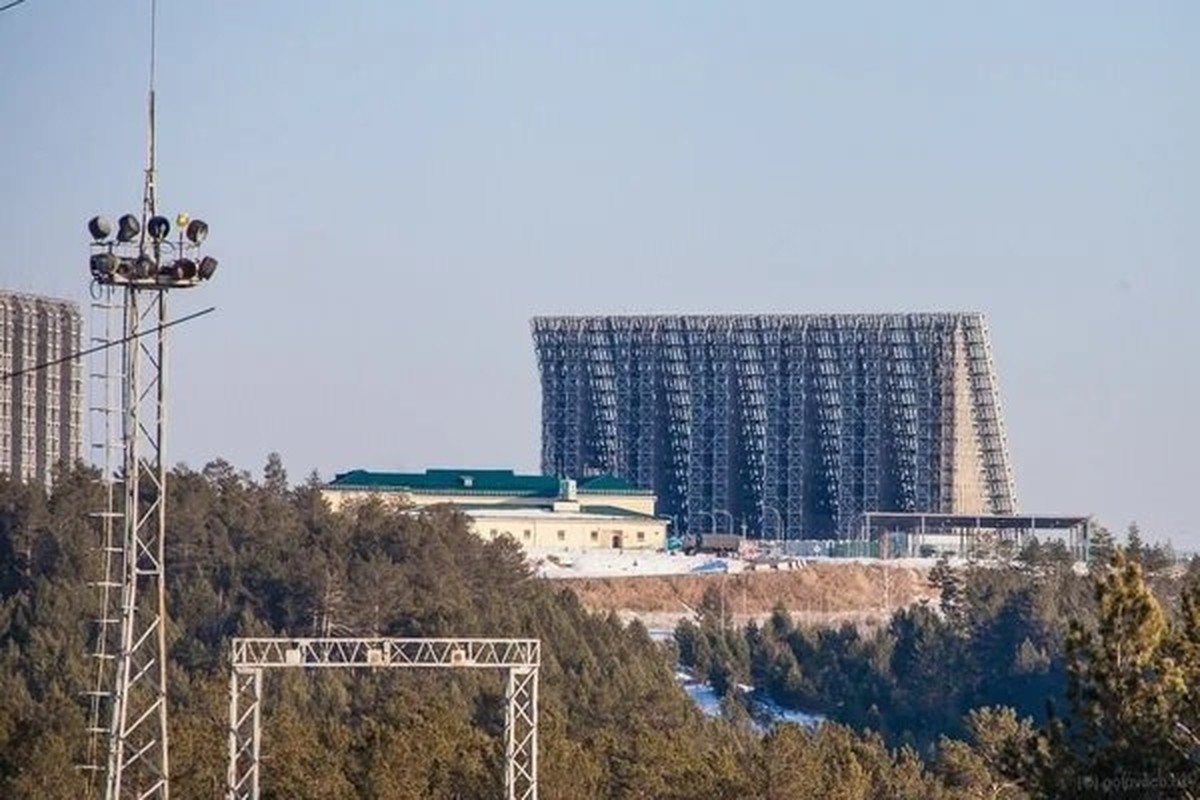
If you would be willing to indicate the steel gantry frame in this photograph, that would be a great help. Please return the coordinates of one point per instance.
(520, 658)
(786, 425)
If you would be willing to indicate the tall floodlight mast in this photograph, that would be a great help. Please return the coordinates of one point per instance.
(142, 262)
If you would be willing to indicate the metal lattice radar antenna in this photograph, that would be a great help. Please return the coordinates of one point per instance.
(134, 267)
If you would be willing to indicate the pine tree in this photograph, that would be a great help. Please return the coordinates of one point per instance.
(1134, 546)
(1126, 691)
(949, 583)
(1101, 544)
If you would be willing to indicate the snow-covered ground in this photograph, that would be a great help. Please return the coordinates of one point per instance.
(559, 563)
(778, 713)
(702, 694)
(765, 710)
(618, 563)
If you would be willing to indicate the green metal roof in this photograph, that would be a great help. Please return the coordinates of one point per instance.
(451, 480)
(476, 481)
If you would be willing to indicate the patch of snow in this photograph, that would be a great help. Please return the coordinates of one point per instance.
(616, 563)
(765, 710)
(778, 713)
(601, 563)
(701, 692)
(705, 697)
(661, 634)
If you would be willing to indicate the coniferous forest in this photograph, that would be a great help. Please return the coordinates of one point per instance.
(1030, 679)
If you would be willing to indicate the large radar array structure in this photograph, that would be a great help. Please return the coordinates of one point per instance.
(134, 267)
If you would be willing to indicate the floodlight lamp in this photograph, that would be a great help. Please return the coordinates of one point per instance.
(197, 231)
(158, 228)
(99, 228)
(104, 265)
(128, 228)
(181, 220)
(206, 268)
(184, 269)
(143, 266)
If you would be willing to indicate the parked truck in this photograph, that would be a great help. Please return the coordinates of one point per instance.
(723, 544)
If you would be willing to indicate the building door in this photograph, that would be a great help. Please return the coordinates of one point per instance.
(616, 541)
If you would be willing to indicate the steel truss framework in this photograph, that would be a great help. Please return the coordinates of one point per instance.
(782, 425)
(520, 658)
(974, 530)
(106, 377)
(128, 706)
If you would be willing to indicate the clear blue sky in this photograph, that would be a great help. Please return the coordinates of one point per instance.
(395, 188)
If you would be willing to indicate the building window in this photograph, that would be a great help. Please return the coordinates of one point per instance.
(562, 536)
(493, 533)
(641, 536)
(528, 534)
(595, 536)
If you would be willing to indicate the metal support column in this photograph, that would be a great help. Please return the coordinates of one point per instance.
(245, 733)
(138, 743)
(520, 734)
(106, 385)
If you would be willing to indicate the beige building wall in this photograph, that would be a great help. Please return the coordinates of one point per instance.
(541, 528)
(338, 498)
(544, 532)
(637, 503)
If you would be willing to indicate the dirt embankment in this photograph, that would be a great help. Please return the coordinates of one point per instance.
(820, 593)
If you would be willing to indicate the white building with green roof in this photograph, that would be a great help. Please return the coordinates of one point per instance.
(541, 512)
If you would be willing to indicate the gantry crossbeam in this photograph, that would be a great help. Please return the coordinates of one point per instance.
(386, 652)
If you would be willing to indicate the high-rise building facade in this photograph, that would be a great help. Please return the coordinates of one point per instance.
(41, 410)
(784, 426)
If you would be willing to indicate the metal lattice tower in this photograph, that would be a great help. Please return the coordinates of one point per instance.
(138, 742)
(128, 706)
(519, 658)
(106, 381)
(788, 425)
(138, 763)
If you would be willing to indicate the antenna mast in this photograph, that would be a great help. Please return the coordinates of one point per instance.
(138, 741)
(129, 706)
(149, 200)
